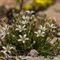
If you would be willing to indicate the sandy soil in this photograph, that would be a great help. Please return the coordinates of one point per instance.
(54, 11)
(8, 3)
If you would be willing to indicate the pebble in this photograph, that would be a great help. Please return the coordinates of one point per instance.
(33, 53)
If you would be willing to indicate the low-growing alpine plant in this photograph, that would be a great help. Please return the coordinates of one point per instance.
(27, 32)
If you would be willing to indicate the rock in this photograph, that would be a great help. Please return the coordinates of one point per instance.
(57, 58)
(33, 53)
(53, 40)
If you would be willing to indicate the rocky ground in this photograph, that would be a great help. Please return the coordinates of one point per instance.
(34, 56)
(39, 58)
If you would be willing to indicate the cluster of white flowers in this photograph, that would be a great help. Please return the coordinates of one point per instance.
(27, 17)
(24, 20)
(40, 31)
(26, 28)
(23, 38)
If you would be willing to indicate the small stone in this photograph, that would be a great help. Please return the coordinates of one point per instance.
(58, 34)
(53, 40)
(33, 53)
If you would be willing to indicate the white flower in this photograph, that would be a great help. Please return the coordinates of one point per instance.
(32, 12)
(24, 17)
(40, 33)
(27, 17)
(20, 28)
(23, 38)
(24, 22)
(51, 25)
(2, 34)
(7, 49)
(42, 28)
(28, 11)
(15, 15)
(3, 31)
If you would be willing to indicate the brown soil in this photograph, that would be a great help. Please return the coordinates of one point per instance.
(54, 11)
(8, 3)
